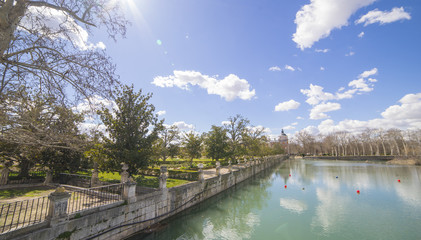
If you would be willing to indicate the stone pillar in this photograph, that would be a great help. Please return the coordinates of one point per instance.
(129, 191)
(124, 173)
(238, 161)
(48, 177)
(163, 177)
(218, 169)
(201, 174)
(4, 179)
(95, 177)
(229, 166)
(57, 211)
(245, 162)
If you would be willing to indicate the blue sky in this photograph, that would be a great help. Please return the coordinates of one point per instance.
(319, 65)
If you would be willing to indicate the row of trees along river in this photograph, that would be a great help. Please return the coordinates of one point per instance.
(369, 142)
(38, 130)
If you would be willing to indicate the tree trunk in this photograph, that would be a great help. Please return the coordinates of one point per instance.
(384, 149)
(362, 144)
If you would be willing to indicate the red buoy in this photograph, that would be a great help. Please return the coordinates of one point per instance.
(399, 180)
(358, 191)
(290, 175)
(285, 186)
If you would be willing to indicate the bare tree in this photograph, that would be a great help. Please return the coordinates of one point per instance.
(43, 45)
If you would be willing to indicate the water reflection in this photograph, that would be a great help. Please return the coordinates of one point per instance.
(293, 205)
(233, 218)
(320, 202)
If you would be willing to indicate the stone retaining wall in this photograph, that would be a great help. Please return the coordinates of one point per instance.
(117, 221)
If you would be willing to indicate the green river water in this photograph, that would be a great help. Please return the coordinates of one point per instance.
(319, 202)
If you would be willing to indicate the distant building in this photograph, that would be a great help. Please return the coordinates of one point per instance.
(283, 139)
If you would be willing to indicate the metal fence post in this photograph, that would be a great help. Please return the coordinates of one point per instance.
(57, 211)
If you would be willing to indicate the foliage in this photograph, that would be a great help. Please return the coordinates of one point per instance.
(39, 129)
(254, 141)
(217, 143)
(166, 143)
(236, 128)
(192, 145)
(133, 128)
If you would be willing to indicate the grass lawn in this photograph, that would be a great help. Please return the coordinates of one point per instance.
(144, 181)
(24, 193)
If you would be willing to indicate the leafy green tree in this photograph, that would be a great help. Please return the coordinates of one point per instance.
(34, 124)
(216, 142)
(168, 135)
(192, 145)
(133, 128)
(173, 150)
(235, 129)
(253, 141)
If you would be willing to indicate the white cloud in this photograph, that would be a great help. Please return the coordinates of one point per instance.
(182, 126)
(322, 50)
(286, 106)
(317, 19)
(160, 113)
(275, 69)
(407, 115)
(300, 118)
(316, 95)
(384, 17)
(294, 123)
(288, 67)
(225, 123)
(51, 22)
(322, 68)
(409, 109)
(361, 34)
(289, 127)
(368, 73)
(318, 111)
(351, 53)
(360, 85)
(229, 88)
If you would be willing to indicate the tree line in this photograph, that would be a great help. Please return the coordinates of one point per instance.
(41, 131)
(374, 142)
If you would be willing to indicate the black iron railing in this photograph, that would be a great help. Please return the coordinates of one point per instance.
(23, 213)
(94, 197)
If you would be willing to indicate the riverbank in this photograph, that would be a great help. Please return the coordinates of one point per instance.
(137, 212)
(398, 160)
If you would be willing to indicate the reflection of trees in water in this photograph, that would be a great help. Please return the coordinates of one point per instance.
(229, 215)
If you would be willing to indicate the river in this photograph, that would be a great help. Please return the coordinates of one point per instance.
(308, 199)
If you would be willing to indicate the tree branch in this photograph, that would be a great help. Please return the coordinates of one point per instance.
(70, 12)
